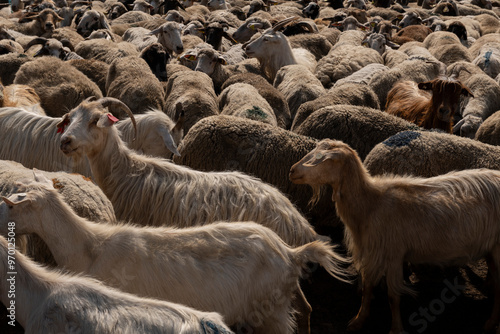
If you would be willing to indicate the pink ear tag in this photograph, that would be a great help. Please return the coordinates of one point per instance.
(61, 129)
(112, 118)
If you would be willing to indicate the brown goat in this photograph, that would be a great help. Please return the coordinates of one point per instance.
(430, 110)
(411, 33)
(450, 219)
(45, 22)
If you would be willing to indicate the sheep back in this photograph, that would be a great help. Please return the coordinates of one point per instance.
(360, 127)
(489, 131)
(105, 50)
(348, 93)
(60, 86)
(130, 80)
(429, 154)
(95, 70)
(10, 64)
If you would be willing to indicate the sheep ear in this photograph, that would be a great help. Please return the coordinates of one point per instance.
(106, 120)
(169, 141)
(222, 61)
(41, 178)
(104, 22)
(425, 85)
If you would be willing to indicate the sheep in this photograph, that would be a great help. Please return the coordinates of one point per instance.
(488, 23)
(21, 96)
(95, 70)
(430, 110)
(89, 305)
(248, 28)
(315, 43)
(9, 46)
(488, 131)
(455, 216)
(298, 85)
(411, 18)
(446, 47)
(362, 76)
(411, 33)
(10, 64)
(130, 80)
(139, 36)
(488, 59)
(132, 17)
(343, 61)
(105, 50)
(168, 178)
(244, 100)
(92, 20)
(142, 6)
(378, 42)
(486, 101)
(193, 93)
(273, 96)
(116, 10)
(214, 32)
(53, 47)
(44, 22)
(169, 35)
(58, 84)
(164, 275)
(273, 51)
(157, 58)
(348, 93)
(256, 149)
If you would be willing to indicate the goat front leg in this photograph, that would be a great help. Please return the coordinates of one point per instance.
(304, 310)
(357, 322)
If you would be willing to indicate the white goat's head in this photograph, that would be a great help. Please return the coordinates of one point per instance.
(85, 128)
(92, 20)
(169, 35)
(270, 42)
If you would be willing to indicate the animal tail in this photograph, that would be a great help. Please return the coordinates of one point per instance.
(324, 254)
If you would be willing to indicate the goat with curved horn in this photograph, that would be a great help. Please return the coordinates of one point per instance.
(111, 102)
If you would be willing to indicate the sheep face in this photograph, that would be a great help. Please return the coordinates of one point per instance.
(48, 19)
(468, 126)
(409, 19)
(169, 35)
(117, 10)
(208, 60)
(356, 4)
(311, 10)
(91, 20)
(194, 28)
(16, 5)
(174, 16)
(376, 42)
(142, 6)
(247, 30)
(216, 4)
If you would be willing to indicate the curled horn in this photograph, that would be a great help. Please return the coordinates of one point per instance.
(456, 71)
(312, 28)
(280, 24)
(35, 41)
(112, 102)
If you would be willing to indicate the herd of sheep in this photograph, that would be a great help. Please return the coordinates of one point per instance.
(177, 166)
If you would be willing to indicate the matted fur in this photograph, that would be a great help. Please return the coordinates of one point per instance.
(443, 220)
(50, 302)
(150, 191)
(232, 269)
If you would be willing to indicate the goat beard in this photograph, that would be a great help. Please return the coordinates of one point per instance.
(317, 190)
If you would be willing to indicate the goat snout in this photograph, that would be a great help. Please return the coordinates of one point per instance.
(66, 145)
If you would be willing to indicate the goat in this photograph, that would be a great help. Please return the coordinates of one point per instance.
(178, 196)
(226, 281)
(51, 302)
(273, 51)
(454, 216)
(428, 110)
(21, 96)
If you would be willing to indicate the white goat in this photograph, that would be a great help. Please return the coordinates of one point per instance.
(389, 220)
(233, 269)
(32, 139)
(273, 51)
(157, 192)
(50, 302)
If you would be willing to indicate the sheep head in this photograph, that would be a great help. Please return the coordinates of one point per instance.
(249, 28)
(169, 35)
(48, 19)
(208, 60)
(88, 125)
(92, 20)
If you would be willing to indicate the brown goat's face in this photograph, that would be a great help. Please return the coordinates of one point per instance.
(445, 96)
(84, 129)
(321, 165)
(48, 19)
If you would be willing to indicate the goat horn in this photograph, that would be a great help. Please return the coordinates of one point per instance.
(280, 24)
(38, 40)
(309, 26)
(112, 102)
(456, 71)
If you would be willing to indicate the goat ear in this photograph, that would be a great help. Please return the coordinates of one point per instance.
(425, 85)
(169, 141)
(466, 92)
(41, 178)
(15, 199)
(104, 22)
(62, 124)
(320, 157)
(106, 120)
